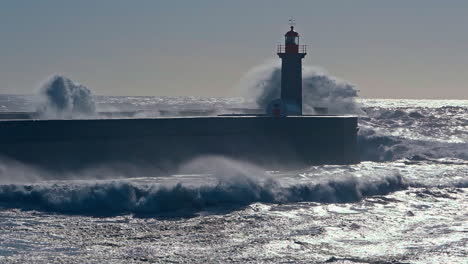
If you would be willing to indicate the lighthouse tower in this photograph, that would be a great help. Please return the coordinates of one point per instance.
(291, 54)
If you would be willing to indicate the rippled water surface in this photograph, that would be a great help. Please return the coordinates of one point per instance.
(406, 202)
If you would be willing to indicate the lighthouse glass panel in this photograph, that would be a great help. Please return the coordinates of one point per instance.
(292, 40)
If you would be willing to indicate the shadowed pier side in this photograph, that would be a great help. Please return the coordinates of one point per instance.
(165, 142)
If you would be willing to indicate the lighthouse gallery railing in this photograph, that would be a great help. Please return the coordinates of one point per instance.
(282, 49)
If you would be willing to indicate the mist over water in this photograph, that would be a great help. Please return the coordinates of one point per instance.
(404, 203)
(219, 182)
(389, 133)
(263, 83)
(382, 138)
(386, 134)
(62, 98)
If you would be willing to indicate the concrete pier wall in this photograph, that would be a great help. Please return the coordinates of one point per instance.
(165, 143)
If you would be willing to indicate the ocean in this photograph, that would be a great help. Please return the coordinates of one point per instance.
(406, 202)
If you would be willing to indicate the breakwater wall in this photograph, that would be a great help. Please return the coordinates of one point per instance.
(165, 143)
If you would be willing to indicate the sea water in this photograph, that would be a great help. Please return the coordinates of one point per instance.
(406, 202)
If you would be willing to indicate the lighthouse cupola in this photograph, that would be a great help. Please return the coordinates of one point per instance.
(291, 54)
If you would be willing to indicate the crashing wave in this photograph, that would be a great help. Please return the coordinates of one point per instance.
(126, 197)
(224, 183)
(63, 98)
(320, 90)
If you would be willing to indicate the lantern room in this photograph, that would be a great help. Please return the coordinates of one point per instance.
(291, 41)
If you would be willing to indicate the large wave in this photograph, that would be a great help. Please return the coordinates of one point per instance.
(230, 184)
(263, 84)
(127, 197)
(63, 98)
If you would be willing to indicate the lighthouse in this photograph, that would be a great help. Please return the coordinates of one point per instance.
(291, 54)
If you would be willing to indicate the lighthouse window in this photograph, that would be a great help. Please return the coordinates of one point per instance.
(292, 40)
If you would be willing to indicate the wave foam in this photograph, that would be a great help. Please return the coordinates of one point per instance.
(231, 184)
(126, 197)
(378, 146)
(63, 98)
(319, 89)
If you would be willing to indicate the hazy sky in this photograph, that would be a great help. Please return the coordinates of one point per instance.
(389, 49)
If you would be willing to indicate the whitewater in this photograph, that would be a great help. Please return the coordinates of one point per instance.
(406, 202)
